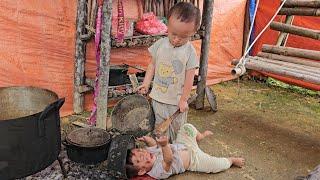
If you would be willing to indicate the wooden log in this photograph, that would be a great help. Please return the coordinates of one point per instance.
(276, 69)
(300, 31)
(302, 3)
(246, 28)
(205, 46)
(304, 11)
(283, 37)
(289, 59)
(289, 51)
(80, 55)
(308, 70)
(102, 99)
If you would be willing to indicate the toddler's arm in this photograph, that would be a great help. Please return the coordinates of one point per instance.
(147, 79)
(188, 82)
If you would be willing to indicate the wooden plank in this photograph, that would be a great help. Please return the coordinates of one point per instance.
(300, 11)
(205, 46)
(300, 31)
(80, 55)
(102, 99)
(289, 51)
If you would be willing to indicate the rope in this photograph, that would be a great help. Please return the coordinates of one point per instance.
(243, 61)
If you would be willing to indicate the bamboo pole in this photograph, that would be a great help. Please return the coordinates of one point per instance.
(280, 70)
(302, 3)
(303, 11)
(300, 31)
(312, 71)
(289, 59)
(102, 100)
(205, 46)
(289, 51)
(80, 56)
(283, 37)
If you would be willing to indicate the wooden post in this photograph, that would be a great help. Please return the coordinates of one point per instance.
(282, 39)
(289, 59)
(102, 99)
(302, 3)
(304, 11)
(289, 51)
(300, 31)
(80, 55)
(246, 28)
(205, 46)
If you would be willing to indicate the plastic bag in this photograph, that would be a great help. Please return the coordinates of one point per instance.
(150, 24)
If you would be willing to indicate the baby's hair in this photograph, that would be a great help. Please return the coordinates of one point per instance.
(186, 12)
(131, 170)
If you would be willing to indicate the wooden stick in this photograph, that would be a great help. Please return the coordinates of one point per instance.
(205, 46)
(308, 70)
(302, 3)
(289, 51)
(303, 11)
(102, 99)
(276, 69)
(80, 56)
(289, 59)
(300, 31)
(283, 37)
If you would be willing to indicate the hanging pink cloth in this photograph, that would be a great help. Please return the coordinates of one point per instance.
(97, 39)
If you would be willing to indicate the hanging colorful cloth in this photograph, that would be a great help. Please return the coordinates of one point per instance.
(97, 39)
(121, 24)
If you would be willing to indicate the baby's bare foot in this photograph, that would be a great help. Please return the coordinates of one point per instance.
(239, 162)
(207, 133)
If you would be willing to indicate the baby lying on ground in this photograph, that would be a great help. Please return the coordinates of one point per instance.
(168, 159)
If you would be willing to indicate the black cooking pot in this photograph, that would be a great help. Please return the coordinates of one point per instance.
(30, 138)
(87, 145)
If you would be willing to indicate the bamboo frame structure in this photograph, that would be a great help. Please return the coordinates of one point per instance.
(300, 31)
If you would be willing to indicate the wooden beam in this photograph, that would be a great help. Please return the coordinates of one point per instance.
(102, 99)
(205, 46)
(80, 56)
(300, 31)
(303, 11)
(282, 39)
(302, 3)
(289, 51)
(289, 59)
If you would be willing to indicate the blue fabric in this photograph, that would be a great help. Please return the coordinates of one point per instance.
(252, 6)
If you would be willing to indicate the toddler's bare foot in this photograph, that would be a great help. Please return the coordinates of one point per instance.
(239, 162)
(200, 136)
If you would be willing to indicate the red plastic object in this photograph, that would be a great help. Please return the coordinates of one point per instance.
(150, 24)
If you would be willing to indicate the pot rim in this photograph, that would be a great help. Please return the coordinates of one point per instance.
(103, 142)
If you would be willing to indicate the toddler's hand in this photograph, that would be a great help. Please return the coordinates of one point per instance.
(143, 89)
(162, 141)
(183, 105)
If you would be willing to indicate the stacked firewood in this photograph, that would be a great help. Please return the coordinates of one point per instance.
(162, 7)
(286, 61)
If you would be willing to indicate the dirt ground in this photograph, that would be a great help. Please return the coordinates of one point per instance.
(277, 131)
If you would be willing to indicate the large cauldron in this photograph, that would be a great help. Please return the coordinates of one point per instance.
(30, 137)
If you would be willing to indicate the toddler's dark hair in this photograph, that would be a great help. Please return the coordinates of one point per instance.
(186, 12)
(131, 170)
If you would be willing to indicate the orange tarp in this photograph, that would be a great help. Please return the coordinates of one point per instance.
(265, 12)
(37, 44)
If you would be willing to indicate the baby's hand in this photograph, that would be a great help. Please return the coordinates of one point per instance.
(162, 141)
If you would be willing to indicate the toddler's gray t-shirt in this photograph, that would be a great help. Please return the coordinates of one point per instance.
(171, 64)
